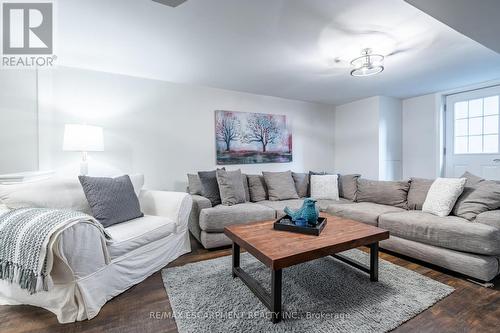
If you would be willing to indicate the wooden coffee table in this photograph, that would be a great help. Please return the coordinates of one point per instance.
(281, 249)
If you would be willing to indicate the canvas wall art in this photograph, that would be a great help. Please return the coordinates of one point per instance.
(248, 138)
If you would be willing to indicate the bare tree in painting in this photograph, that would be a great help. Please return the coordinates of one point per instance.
(262, 128)
(227, 129)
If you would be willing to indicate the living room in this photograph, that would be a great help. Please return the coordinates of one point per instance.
(350, 151)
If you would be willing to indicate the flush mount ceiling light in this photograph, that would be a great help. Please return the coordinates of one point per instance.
(368, 64)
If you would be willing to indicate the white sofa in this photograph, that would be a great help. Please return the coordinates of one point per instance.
(87, 274)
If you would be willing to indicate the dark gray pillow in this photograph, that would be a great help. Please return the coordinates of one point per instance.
(257, 187)
(419, 187)
(210, 187)
(231, 187)
(301, 183)
(472, 180)
(484, 196)
(348, 186)
(280, 185)
(245, 185)
(391, 193)
(111, 200)
(194, 184)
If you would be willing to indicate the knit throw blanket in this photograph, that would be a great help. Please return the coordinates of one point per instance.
(26, 239)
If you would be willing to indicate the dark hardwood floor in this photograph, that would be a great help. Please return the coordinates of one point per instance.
(471, 308)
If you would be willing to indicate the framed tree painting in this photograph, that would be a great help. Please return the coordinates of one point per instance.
(248, 138)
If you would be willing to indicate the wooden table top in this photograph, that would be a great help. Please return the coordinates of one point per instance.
(279, 249)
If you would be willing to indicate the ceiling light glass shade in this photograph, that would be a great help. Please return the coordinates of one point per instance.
(368, 64)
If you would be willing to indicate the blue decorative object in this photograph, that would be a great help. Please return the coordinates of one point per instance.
(301, 222)
(308, 211)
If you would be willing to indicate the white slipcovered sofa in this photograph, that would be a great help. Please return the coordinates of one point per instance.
(86, 273)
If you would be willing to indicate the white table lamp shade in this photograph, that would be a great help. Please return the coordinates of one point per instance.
(83, 138)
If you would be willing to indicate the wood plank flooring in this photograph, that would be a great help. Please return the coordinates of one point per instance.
(471, 308)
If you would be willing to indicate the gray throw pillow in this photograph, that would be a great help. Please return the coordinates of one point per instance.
(301, 183)
(483, 197)
(231, 187)
(210, 187)
(245, 185)
(472, 180)
(348, 186)
(257, 187)
(280, 185)
(194, 184)
(391, 193)
(112, 200)
(419, 187)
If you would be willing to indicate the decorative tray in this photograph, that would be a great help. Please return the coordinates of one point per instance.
(286, 224)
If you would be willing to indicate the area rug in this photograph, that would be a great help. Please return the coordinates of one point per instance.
(324, 295)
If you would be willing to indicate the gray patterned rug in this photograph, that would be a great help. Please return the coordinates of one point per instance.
(324, 295)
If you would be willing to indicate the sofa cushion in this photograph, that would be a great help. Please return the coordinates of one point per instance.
(257, 187)
(391, 193)
(366, 212)
(279, 206)
(325, 187)
(443, 195)
(301, 183)
(209, 186)
(348, 186)
(216, 218)
(478, 199)
(232, 190)
(112, 200)
(194, 184)
(280, 185)
(57, 193)
(491, 218)
(245, 186)
(323, 204)
(419, 187)
(130, 235)
(450, 232)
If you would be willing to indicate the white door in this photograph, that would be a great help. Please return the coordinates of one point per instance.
(472, 133)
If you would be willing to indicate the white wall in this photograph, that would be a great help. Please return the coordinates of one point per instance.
(420, 137)
(368, 138)
(390, 136)
(164, 129)
(18, 125)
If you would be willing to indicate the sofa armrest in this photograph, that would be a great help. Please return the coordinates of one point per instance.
(174, 205)
(491, 218)
(199, 203)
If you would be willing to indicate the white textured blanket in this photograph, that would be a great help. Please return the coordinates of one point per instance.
(27, 236)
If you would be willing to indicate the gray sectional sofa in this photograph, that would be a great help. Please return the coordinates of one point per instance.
(471, 248)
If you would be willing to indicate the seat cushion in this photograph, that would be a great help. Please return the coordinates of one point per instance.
(279, 206)
(450, 232)
(324, 203)
(366, 212)
(215, 219)
(130, 235)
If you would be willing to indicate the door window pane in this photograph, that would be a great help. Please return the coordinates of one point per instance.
(491, 125)
(491, 105)
(461, 126)
(461, 145)
(476, 108)
(476, 126)
(475, 144)
(461, 110)
(490, 144)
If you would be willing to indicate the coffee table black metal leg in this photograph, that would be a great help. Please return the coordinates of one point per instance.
(236, 258)
(374, 262)
(276, 279)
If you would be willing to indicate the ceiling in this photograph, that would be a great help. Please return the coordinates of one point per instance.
(296, 49)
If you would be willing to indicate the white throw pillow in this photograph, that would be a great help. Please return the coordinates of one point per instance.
(443, 195)
(325, 187)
